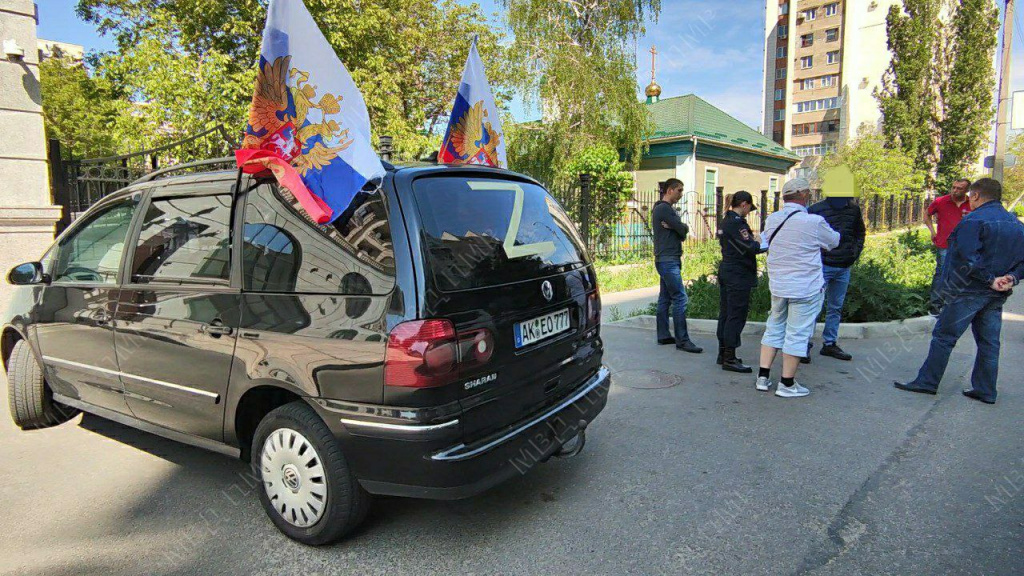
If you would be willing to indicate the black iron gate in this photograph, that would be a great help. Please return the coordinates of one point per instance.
(78, 183)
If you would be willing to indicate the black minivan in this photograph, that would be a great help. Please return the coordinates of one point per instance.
(440, 336)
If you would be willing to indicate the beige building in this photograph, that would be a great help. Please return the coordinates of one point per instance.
(27, 214)
(54, 49)
(706, 148)
(823, 61)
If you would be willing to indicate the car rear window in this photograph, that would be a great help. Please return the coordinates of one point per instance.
(480, 232)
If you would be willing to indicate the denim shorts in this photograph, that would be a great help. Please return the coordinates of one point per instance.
(791, 323)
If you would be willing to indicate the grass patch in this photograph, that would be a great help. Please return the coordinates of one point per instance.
(891, 281)
(698, 260)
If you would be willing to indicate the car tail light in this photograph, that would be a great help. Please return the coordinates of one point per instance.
(593, 309)
(422, 354)
(476, 347)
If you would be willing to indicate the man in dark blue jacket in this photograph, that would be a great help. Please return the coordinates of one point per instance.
(985, 260)
(844, 216)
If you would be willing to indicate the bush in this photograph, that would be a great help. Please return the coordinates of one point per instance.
(1018, 210)
(891, 281)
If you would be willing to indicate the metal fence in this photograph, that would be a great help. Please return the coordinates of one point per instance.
(78, 183)
(629, 235)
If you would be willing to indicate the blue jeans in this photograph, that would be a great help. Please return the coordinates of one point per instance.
(983, 313)
(672, 292)
(936, 298)
(837, 280)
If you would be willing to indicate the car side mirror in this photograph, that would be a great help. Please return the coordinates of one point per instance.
(27, 274)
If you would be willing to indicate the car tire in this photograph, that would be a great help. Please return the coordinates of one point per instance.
(30, 399)
(295, 455)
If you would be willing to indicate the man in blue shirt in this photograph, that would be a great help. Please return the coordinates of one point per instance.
(985, 261)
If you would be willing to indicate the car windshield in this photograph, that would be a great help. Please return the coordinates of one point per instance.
(480, 232)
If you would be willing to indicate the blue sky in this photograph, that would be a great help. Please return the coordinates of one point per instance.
(707, 47)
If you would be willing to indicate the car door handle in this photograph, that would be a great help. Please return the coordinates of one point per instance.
(216, 329)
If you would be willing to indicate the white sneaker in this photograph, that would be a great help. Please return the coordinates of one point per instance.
(763, 383)
(794, 391)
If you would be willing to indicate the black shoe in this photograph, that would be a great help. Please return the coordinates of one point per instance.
(720, 352)
(690, 347)
(973, 395)
(835, 351)
(910, 388)
(731, 363)
(807, 359)
(663, 341)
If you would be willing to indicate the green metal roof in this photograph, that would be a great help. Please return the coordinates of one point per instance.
(691, 116)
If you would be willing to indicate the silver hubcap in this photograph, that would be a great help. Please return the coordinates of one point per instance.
(293, 477)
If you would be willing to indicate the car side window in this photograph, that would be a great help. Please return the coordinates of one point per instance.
(184, 240)
(92, 252)
(284, 251)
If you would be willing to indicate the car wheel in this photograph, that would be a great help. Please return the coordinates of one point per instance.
(308, 489)
(29, 397)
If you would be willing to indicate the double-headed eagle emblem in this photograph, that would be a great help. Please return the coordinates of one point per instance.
(279, 118)
(473, 139)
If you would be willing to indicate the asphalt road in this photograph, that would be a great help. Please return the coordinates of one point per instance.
(688, 471)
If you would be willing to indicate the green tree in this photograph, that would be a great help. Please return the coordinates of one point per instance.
(81, 111)
(611, 186)
(878, 169)
(967, 93)
(405, 55)
(582, 73)
(936, 96)
(908, 98)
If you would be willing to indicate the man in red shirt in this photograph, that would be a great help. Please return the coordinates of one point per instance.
(947, 211)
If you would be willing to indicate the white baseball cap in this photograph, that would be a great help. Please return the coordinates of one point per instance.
(795, 186)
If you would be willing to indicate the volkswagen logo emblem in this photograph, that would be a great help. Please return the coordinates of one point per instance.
(547, 291)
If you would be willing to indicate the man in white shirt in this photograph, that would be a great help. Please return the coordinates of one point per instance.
(794, 240)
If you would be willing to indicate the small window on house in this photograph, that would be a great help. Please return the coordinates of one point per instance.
(807, 40)
(780, 115)
(779, 94)
(784, 8)
(807, 62)
(832, 57)
(810, 14)
(780, 52)
(808, 84)
(832, 34)
(783, 30)
(828, 81)
(831, 9)
(780, 73)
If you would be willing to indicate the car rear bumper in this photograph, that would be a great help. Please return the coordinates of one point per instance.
(430, 461)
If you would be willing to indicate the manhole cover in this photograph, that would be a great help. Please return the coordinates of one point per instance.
(646, 379)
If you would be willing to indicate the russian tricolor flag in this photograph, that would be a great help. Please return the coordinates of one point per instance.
(474, 134)
(308, 122)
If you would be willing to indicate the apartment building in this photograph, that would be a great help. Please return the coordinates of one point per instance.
(823, 61)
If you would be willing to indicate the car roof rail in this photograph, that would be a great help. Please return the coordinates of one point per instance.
(186, 166)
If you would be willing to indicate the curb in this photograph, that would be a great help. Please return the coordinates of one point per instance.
(861, 331)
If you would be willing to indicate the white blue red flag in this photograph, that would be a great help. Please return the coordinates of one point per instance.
(308, 123)
(474, 133)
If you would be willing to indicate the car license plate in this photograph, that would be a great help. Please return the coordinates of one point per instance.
(537, 329)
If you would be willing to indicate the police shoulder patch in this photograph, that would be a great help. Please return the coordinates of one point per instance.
(745, 234)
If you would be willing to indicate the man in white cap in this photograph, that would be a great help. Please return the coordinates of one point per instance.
(794, 240)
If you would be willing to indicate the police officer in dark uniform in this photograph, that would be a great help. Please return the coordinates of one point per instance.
(737, 276)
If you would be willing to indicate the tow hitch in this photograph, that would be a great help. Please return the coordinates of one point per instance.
(574, 445)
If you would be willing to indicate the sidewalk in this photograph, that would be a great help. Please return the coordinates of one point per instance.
(618, 305)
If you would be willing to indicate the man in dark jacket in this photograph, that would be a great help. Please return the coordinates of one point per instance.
(985, 261)
(737, 276)
(669, 233)
(844, 216)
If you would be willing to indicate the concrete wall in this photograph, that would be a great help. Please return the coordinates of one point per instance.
(27, 215)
